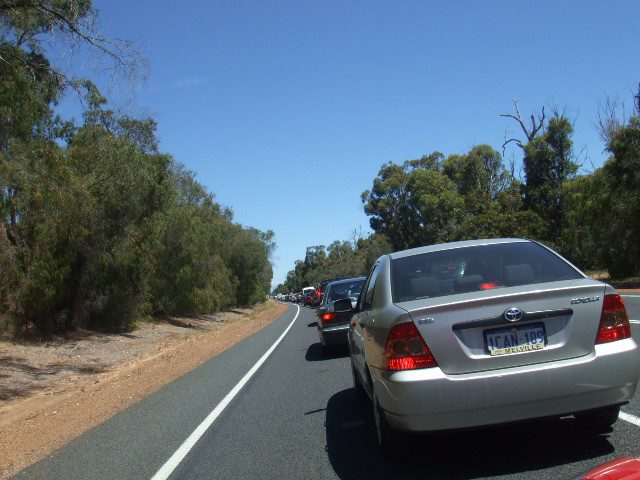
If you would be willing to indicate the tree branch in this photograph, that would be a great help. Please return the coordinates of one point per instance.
(96, 42)
(535, 125)
(518, 142)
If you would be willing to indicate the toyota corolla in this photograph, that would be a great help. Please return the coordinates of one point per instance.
(519, 333)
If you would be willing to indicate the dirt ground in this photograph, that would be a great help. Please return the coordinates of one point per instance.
(52, 392)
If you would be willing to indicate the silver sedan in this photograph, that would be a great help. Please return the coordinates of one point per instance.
(486, 332)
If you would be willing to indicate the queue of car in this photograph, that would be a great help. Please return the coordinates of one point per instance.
(477, 333)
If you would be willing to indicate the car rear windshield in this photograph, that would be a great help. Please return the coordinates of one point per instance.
(469, 269)
(345, 290)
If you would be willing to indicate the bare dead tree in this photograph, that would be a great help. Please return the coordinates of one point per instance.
(582, 158)
(530, 131)
(610, 115)
(72, 29)
(355, 235)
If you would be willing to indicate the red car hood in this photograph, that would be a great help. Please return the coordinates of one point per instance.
(625, 468)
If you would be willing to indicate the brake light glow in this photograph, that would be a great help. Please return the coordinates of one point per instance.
(405, 349)
(614, 321)
(329, 317)
(489, 285)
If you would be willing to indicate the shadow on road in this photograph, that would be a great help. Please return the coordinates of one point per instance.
(312, 324)
(315, 353)
(354, 454)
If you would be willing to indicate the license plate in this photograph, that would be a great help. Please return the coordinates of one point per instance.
(518, 338)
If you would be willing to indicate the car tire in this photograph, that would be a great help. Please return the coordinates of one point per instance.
(390, 440)
(599, 420)
(361, 393)
(324, 348)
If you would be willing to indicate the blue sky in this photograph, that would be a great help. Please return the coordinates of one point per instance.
(287, 109)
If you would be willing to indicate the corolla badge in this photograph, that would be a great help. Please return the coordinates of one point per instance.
(512, 314)
(426, 321)
(575, 301)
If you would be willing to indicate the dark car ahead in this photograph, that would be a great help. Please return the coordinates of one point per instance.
(320, 289)
(309, 299)
(333, 326)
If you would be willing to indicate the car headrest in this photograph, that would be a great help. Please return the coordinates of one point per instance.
(467, 283)
(474, 267)
(518, 274)
(426, 286)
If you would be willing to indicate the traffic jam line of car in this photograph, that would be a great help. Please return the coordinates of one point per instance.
(472, 326)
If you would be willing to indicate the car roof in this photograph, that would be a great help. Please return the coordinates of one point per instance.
(448, 246)
(346, 280)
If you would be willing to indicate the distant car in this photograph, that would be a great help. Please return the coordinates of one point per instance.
(308, 296)
(319, 291)
(310, 299)
(333, 326)
(625, 468)
(519, 334)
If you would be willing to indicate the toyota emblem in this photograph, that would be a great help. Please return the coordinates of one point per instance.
(512, 314)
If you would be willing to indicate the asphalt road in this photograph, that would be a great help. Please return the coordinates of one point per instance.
(298, 417)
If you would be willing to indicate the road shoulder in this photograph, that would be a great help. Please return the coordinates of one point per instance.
(35, 427)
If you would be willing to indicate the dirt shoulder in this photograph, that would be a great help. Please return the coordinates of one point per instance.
(51, 393)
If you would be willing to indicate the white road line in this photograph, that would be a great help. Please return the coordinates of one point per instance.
(191, 440)
(634, 321)
(630, 418)
(630, 295)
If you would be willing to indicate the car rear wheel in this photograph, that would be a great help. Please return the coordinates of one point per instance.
(599, 420)
(390, 440)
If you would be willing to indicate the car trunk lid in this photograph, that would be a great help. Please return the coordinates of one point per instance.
(458, 328)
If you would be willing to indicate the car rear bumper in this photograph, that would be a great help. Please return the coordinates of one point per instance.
(334, 335)
(428, 399)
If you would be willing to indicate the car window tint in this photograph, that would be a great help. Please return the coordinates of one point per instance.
(364, 289)
(336, 291)
(468, 269)
(368, 290)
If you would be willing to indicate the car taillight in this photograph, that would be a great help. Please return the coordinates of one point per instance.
(405, 349)
(329, 317)
(614, 321)
(489, 285)
(318, 292)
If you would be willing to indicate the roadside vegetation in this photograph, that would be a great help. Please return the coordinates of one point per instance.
(591, 217)
(100, 229)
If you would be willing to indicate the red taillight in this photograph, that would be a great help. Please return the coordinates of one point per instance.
(405, 349)
(329, 317)
(614, 321)
(318, 292)
(489, 285)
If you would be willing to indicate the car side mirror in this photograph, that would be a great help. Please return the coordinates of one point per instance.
(343, 305)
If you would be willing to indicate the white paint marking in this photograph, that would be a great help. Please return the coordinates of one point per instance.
(623, 295)
(635, 321)
(191, 440)
(630, 418)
